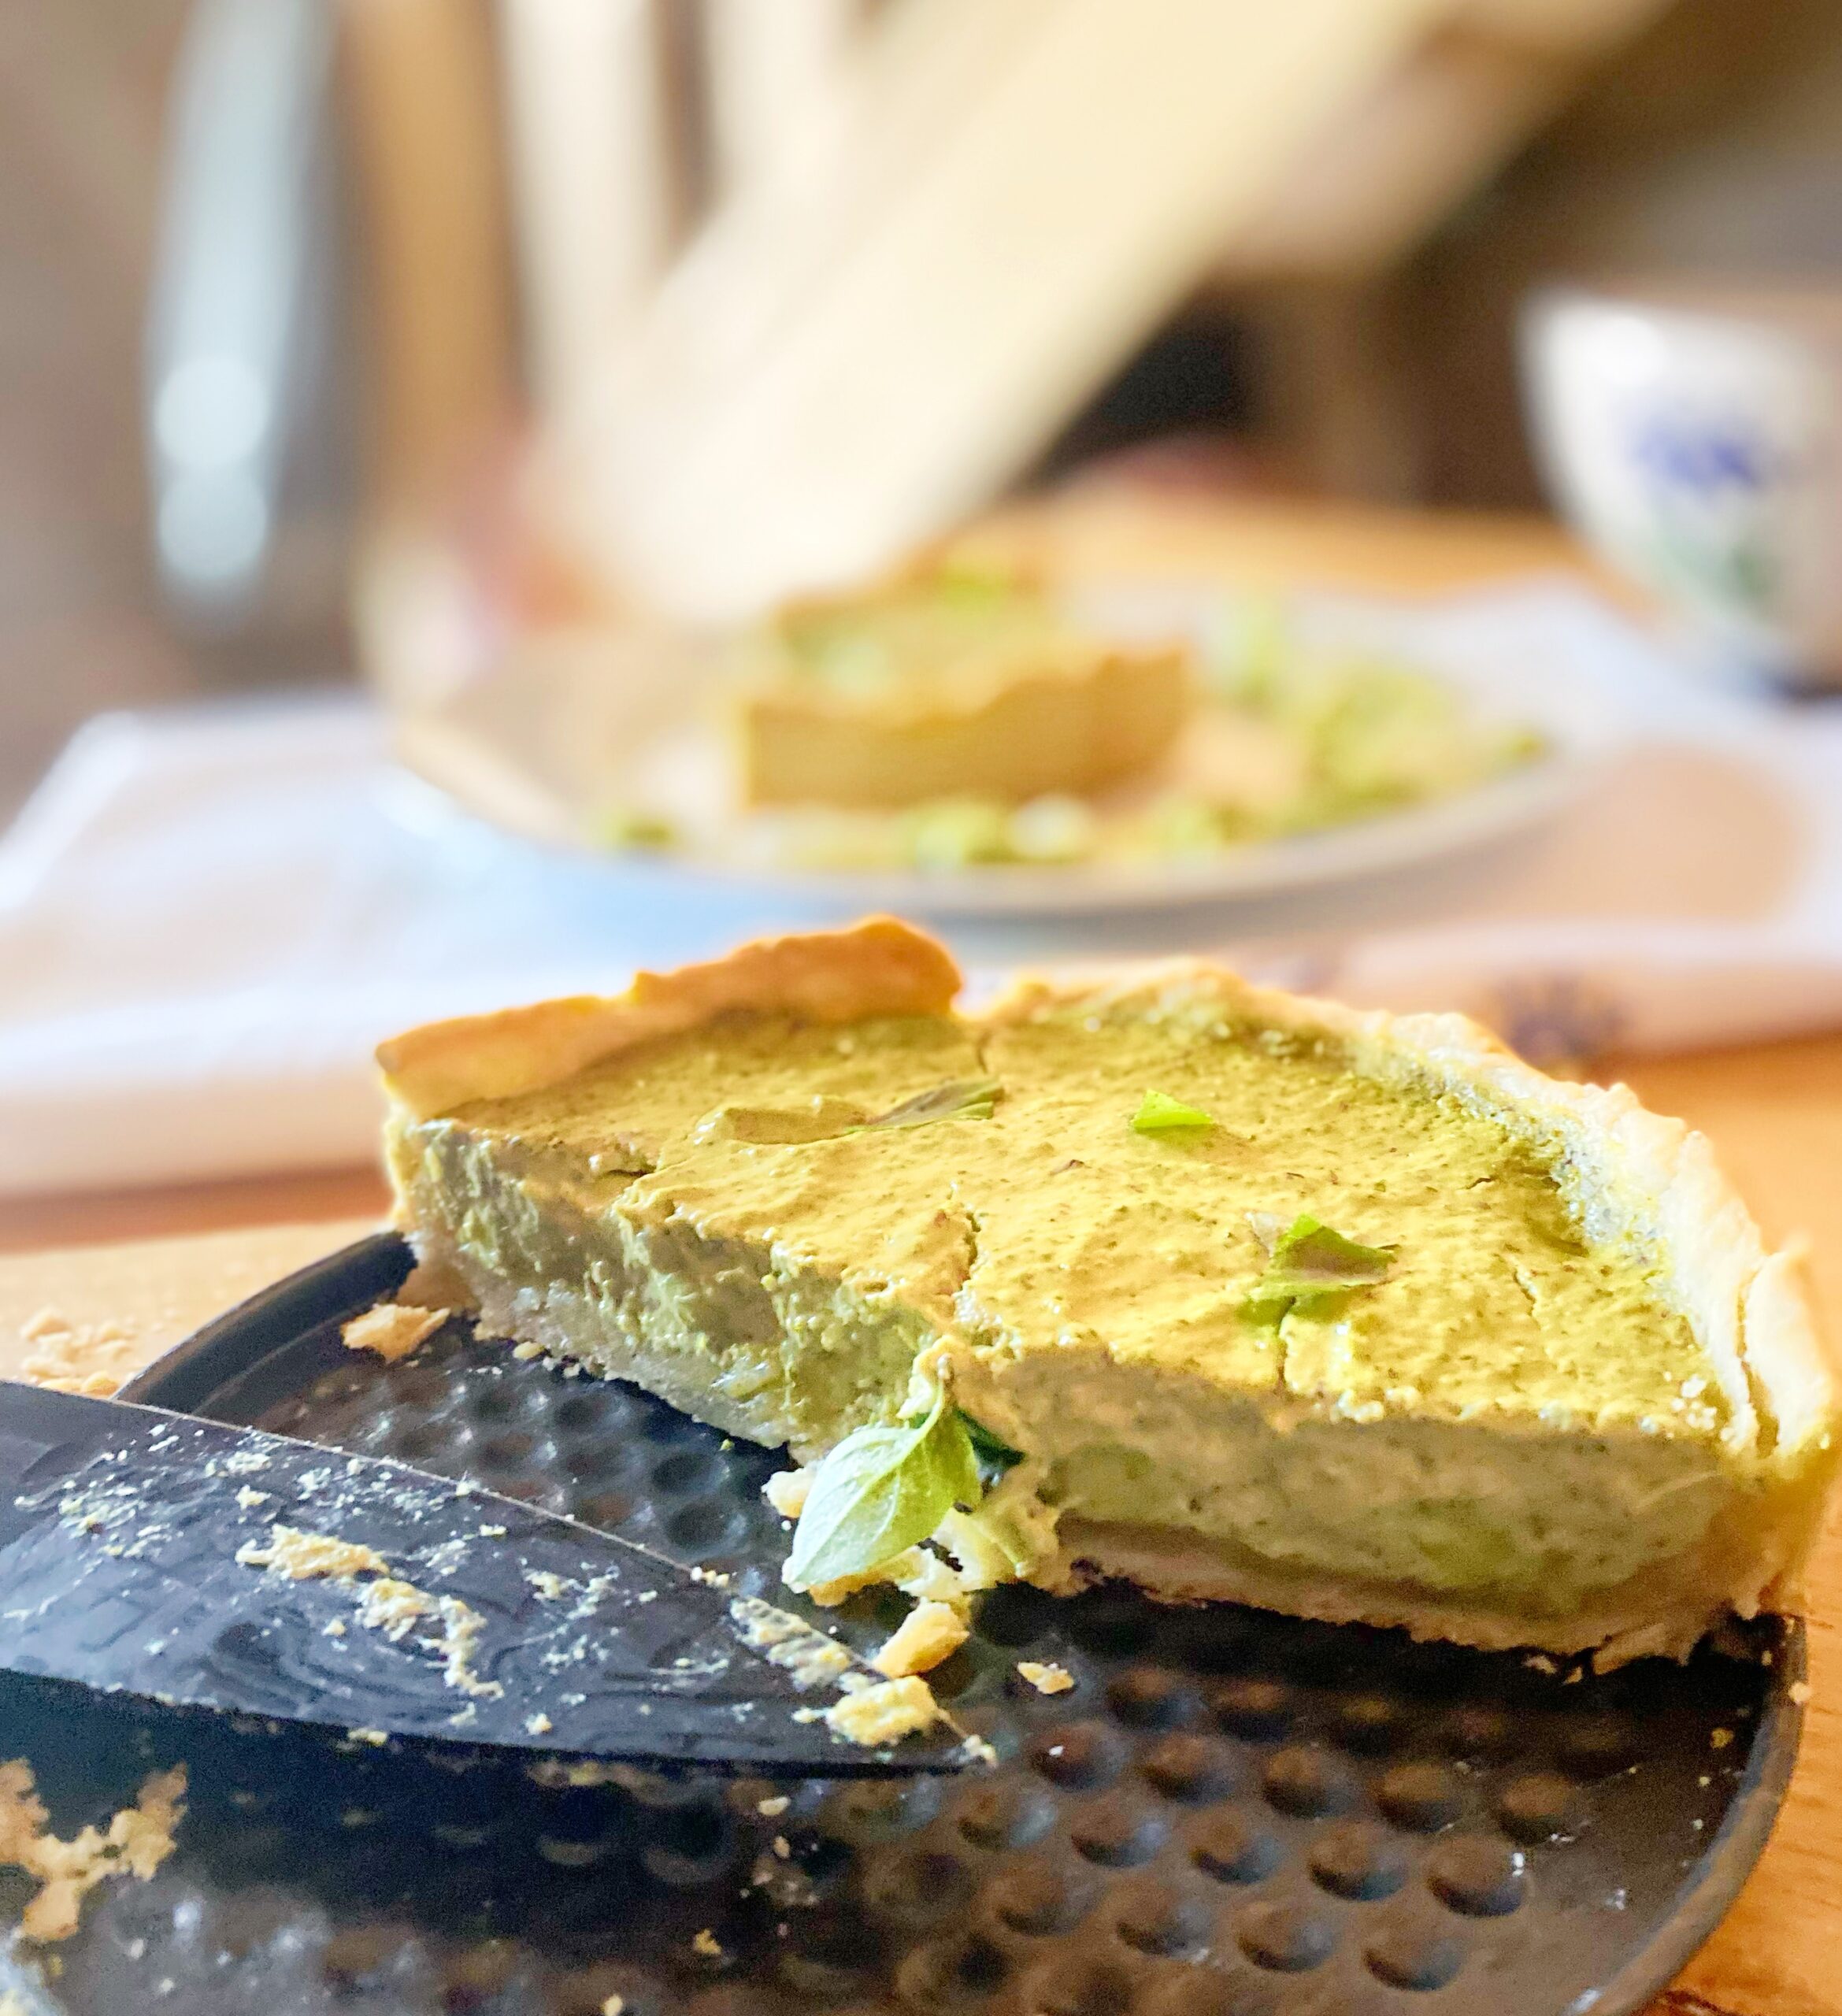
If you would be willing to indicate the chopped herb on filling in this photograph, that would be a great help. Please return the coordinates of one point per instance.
(1312, 1270)
(1159, 1114)
(962, 1099)
(993, 1456)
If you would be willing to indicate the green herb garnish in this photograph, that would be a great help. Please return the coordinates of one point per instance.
(975, 584)
(1313, 1270)
(962, 1098)
(632, 827)
(1159, 1114)
(881, 1490)
(994, 1456)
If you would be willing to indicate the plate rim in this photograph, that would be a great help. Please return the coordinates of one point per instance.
(1584, 726)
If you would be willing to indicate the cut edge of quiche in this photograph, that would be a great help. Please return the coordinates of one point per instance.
(1629, 1176)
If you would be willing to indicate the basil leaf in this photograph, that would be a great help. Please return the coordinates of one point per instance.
(958, 1466)
(1315, 1252)
(881, 1490)
(828, 1119)
(960, 1099)
(1313, 1271)
(994, 1457)
(1159, 1114)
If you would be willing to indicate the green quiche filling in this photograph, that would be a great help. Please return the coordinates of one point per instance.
(1133, 1268)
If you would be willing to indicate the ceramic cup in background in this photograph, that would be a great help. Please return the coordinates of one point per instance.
(1694, 436)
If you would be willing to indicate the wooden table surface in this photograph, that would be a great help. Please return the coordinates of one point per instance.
(1774, 1111)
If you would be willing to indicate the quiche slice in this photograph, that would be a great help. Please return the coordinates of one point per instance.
(1168, 1276)
(944, 685)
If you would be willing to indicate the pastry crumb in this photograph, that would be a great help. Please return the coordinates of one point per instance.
(706, 1943)
(460, 1627)
(616, 2005)
(930, 1632)
(885, 1713)
(788, 1491)
(389, 1604)
(136, 1841)
(249, 1499)
(537, 1724)
(828, 1596)
(788, 1642)
(1719, 1738)
(1045, 1676)
(377, 1738)
(1800, 1691)
(772, 1809)
(393, 1607)
(550, 1588)
(67, 1357)
(527, 1352)
(914, 1571)
(928, 1579)
(393, 1329)
(979, 1751)
(336, 1627)
(305, 1557)
(555, 1773)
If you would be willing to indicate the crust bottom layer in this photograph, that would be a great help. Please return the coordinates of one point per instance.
(1638, 1621)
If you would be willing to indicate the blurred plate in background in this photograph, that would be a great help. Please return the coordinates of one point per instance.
(542, 739)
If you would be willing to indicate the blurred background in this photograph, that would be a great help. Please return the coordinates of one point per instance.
(1350, 333)
(410, 408)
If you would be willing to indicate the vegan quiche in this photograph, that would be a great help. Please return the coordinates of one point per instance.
(1165, 1276)
(948, 683)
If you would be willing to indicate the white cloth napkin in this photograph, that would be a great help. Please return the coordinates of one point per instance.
(208, 916)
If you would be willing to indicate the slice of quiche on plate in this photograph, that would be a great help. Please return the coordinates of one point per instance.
(948, 683)
(1159, 1275)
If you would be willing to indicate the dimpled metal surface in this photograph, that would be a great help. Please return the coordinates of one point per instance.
(1228, 1813)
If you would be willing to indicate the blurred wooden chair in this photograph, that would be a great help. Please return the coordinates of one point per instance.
(786, 285)
(939, 225)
